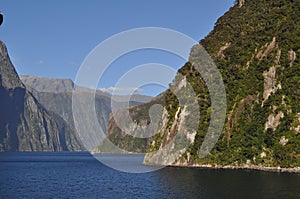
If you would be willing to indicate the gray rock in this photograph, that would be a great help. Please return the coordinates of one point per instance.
(25, 125)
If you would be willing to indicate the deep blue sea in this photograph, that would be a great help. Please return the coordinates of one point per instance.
(80, 175)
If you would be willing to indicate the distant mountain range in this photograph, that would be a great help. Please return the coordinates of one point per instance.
(36, 112)
(25, 125)
(56, 95)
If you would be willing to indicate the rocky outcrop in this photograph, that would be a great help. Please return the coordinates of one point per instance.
(9, 77)
(25, 125)
(273, 121)
(283, 141)
(270, 83)
(292, 57)
(241, 3)
(222, 49)
(262, 54)
(174, 140)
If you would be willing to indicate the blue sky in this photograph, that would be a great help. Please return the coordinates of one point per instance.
(52, 38)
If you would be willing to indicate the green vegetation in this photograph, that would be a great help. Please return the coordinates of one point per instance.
(245, 44)
(248, 29)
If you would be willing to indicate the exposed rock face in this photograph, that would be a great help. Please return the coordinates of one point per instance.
(270, 83)
(61, 104)
(222, 49)
(175, 140)
(268, 48)
(25, 125)
(283, 141)
(9, 76)
(56, 95)
(52, 85)
(263, 154)
(292, 56)
(270, 86)
(273, 121)
(241, 3)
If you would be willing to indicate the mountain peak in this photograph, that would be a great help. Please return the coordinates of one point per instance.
(25, 125)
(43, 84)
(8, 75)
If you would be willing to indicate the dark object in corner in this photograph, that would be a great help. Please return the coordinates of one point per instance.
(1, 18)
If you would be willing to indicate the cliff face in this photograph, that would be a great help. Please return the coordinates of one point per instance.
(256, 48)
(61, 104)
(52, 85)
(24, 124)
(56, 96)
(123, 139)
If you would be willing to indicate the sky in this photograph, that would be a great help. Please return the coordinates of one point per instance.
(53, 38)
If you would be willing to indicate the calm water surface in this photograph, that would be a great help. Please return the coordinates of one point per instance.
(80, 175)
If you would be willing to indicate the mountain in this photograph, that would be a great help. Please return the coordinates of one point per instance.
(52, 85)
(25, 125)
(56, 85)
(56, 95)
(256, 46)
(118, 141)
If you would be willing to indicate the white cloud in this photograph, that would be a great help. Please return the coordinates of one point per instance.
(120, 90)
(40, 62)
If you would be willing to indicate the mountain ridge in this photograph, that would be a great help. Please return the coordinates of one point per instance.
(25, 125)
(56, 95)
(256, 48)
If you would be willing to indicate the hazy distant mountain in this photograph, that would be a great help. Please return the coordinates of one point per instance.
(56, 95)
(55, 85)
(43, 84)
(25, 125)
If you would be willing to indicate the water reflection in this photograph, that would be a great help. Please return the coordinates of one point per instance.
(209, 183)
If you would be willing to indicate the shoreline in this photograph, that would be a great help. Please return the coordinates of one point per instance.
(246, 167)
(203, 166)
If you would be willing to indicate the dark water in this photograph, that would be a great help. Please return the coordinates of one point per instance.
(79, 175)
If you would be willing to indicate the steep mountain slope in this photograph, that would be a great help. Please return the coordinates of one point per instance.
(125, 142)
(56, 95)
(24, 124)
(55, 85)
(256, 46)
(61, 104)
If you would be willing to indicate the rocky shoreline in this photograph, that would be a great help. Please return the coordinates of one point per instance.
(246, 167)
(209, 166)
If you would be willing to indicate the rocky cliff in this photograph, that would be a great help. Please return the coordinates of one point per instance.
(61, 104)
(128, 139)
(256, 48)
(56, 96)
(53, 85)
(25, 125)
